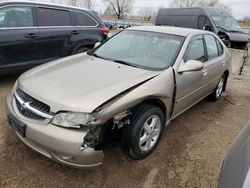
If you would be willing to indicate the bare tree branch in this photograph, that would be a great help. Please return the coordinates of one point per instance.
(147, 13)
(119, 7)
(89, 4)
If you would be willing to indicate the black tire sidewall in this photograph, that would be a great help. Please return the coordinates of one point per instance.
(224, 79)
(137, 122)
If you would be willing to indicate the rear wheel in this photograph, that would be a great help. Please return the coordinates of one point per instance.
(219, 89)
(143, 134)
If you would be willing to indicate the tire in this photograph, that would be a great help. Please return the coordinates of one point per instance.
(218, 90)
(147, 125)
(81, 50)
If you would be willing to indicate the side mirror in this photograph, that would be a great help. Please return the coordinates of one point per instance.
(208, 28)
(109, 35)
(190, 65)
(97, 44)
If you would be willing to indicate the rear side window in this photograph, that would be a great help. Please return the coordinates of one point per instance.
(220, 48)
(53, 17)
(82, 19)
(212, 50)
(16, 17)
(195, 50)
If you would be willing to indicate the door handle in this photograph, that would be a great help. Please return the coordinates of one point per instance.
(223, 63)
(74, 33)
(204, 72)
(31, 35)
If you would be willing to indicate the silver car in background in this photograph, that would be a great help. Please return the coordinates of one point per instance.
(137, 81)
(235, 171)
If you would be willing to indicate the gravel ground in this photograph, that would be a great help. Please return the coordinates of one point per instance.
(189, 155)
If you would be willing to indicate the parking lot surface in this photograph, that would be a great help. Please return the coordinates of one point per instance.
(190, 153)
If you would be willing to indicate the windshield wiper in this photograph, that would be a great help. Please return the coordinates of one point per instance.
(222, 28)
(124, 63)
(98, 56)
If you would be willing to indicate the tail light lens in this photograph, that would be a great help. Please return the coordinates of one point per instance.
(104, 30)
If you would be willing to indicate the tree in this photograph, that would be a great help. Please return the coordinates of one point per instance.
(119, 7)
(214, 3)
(199, 3)
(89, 4)
(183, 3)
(147, 13)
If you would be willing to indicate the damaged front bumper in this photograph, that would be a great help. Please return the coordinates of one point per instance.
(60, 144)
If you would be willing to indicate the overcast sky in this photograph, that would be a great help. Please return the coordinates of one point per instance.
(240, 8)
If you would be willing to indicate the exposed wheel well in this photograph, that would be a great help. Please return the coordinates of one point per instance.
(81, 46)
(155, 102)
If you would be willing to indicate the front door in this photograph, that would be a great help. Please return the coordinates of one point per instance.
(18, 37)
(190, 85)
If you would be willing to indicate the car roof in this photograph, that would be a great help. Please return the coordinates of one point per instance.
(42, 4)
(193, 11)
(169, 30)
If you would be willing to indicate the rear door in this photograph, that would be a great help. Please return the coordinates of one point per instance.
(55, 32)
(18, 37)
(86, 32)
(214, 64)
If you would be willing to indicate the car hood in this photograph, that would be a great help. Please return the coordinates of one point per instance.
(237, 37)
(81, 82)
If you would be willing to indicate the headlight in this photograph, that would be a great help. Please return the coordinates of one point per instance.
(73, 120)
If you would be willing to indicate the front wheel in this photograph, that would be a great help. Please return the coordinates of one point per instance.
(219, 89)
(143, 134)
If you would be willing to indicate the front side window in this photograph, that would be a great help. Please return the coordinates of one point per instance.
(11, 17)
(201, 22)
(195, 50)
(53, 17)
(81, 19)
(212, 50)
(141, 49)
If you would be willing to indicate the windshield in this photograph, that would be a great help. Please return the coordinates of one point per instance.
(141, 49)
(226, 22)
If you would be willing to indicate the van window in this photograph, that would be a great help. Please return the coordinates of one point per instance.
(202, 21)
(195, 50)
(212, 50)
(16, 17)
(53, 17)
(81, 19)
(176, 20)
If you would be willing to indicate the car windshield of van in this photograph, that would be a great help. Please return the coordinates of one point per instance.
(148, 50)
(227, 23)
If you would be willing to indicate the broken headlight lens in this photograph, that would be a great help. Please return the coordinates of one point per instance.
(73, 120)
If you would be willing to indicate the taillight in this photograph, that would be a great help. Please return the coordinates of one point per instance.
(104, 30)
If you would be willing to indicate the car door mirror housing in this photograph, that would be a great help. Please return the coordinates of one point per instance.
(191, 65)
(97, 44)
(208, 28)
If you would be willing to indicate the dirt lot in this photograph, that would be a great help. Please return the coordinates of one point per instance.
(189, 155)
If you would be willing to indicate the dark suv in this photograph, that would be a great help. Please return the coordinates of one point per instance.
(35, 33)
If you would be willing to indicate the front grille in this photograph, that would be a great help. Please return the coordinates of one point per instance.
(35, 104)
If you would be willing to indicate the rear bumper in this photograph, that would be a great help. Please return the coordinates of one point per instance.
(60, 144)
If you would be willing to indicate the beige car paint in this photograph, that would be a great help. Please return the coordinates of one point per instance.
(83, 83)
